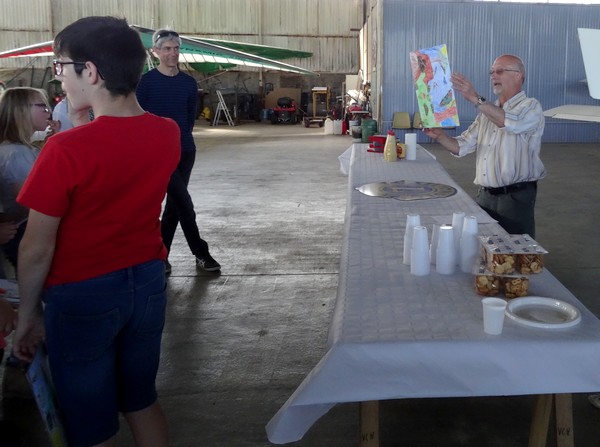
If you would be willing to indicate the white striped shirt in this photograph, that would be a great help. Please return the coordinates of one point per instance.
(509, 154)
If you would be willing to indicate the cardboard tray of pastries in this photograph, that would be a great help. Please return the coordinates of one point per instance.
(515, 254)
(488, 283)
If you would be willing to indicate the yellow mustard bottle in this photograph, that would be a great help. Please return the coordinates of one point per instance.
(389, 150)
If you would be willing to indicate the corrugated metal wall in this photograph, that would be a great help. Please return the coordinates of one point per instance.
(29, 22)
(328, 28)
(33, 15)
(543, 35)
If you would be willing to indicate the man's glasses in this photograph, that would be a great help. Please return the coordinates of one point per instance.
(499, 71)
(41, 105)
(59, 66)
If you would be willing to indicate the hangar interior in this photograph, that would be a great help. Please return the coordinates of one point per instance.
(271, 201)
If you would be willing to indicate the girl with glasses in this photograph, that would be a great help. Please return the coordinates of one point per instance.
(23, 111)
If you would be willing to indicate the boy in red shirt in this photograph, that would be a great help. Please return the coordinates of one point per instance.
(92, 251)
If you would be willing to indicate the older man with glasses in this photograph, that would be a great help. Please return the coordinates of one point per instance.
(507, 136)
(168, 92)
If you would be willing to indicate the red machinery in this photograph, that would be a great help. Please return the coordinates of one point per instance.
(285, 112)
(377, 143)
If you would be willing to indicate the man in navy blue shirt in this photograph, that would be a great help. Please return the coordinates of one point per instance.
(166, 91)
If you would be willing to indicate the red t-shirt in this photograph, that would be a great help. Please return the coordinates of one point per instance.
(106, 180)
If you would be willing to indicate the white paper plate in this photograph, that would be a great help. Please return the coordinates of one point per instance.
(540, 312)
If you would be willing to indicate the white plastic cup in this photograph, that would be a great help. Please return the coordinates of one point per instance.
(445, 259)
(469, 244)
(410, 141)
(470, 225)
(469, 249)
(493, 315)
(412, 220)
(419, 255)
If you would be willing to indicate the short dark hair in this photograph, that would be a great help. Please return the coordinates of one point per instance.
(115, 48)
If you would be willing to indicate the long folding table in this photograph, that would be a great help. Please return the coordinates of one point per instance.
(394, 335)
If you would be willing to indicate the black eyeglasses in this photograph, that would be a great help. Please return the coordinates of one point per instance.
(165, 34)
(499, 71)
(59, 66)
(41, 105)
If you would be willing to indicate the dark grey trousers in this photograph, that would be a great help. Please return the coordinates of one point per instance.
(513, 211)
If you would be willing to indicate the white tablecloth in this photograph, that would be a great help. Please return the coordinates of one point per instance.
(394, 335)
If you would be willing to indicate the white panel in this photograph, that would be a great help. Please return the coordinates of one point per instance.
(575, 112)
(352, 82)
(589, 40)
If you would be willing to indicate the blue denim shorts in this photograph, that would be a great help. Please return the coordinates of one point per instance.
(103, 338)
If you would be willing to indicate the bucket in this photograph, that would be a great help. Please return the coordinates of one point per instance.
(265, 114)
(369, 128)
(356, 131)
(337, 127)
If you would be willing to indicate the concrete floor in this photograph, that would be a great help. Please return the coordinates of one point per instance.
(270, 201)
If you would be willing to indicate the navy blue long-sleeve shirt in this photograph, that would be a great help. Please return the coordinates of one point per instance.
(175, 97)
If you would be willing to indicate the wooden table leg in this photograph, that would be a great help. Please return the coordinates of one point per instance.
(564, 420)
(538, 434)
(369, 423)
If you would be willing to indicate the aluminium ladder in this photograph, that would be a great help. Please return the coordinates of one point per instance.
(222, 107)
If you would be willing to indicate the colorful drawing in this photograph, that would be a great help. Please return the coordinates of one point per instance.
(435, 96)
(40, 380)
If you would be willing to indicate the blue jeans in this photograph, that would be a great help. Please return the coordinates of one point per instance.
(103, 338)
(179, 208)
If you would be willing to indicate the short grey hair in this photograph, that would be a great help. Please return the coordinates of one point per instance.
(164, 35)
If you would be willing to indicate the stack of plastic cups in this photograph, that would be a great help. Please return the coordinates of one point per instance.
(469, 244)
(457, 224)
(419, 255)
(445, 261)
(410, 140)
(412, 220)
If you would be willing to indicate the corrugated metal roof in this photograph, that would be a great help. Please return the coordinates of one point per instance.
(324, 28)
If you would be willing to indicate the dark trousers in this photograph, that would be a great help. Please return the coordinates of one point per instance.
(179, 208)
(514, 211)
